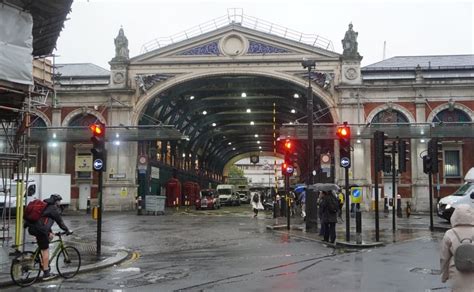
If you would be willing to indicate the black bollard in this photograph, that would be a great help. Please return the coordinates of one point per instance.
(358, 226)
(399, 206)
(88, 207)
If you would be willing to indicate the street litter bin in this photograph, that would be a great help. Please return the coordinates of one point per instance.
(155, 205)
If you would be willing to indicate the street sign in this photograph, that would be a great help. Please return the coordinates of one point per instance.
(345, 162)
(290, 169)
(98, 164)
(356, 195)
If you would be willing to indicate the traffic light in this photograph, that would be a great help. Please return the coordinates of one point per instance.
(344, 135)
(402, 155)
(427, 164)
(287, 166)
(433, 148)
(98, 146)
(379, 144)
(288, 146)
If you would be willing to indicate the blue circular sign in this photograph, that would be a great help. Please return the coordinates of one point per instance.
(289, 169)
(98, 164)
(356, 193)
(345, 162)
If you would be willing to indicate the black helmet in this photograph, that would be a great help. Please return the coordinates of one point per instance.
(56, 197)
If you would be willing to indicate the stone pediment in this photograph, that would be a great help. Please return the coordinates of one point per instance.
(233, 42)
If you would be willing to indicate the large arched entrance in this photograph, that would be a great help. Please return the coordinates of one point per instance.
(231, 115)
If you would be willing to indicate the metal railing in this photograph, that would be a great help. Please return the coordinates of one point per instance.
(235, 16)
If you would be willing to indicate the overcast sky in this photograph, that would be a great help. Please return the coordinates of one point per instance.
(409, 27)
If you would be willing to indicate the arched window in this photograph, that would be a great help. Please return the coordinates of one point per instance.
(451, 116)
(389, 116)
(82, 120)
(452, 156)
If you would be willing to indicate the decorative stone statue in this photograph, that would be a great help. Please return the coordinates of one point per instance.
(121, 47)
(349, 43)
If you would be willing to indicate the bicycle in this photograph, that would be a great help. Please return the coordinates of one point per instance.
(26, 267)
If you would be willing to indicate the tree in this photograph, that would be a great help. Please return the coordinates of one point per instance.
(236, 172)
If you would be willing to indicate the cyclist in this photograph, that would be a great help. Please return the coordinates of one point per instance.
(41, 229)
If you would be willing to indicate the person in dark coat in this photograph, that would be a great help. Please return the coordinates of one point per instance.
(41, 229)
(329, 210)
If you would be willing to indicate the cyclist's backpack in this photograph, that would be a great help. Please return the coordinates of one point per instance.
(255, 198)
(34, 210)
(464, 254)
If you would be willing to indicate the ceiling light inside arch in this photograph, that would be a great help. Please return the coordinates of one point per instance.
(191, 97)
(249, 110)
(296, 95)
(213, 124)
(259, 147)
(258, 142)
(256, 135)
(293, 111)
(252, 123)
(204, 112)
(230, 143)
(243, 94)
(233, 148)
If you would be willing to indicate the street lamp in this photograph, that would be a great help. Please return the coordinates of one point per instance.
(311, 204)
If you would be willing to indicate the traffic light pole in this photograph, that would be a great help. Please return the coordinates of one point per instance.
(311, 198)
(430, 185)
(348, 219)
(394, 145)
(287, 191)
(99, 215)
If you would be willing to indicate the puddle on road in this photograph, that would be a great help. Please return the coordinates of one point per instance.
(426, 271)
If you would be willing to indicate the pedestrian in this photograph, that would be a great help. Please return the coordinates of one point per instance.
(329, 208)
(462, 222)
(302, 199)
(340, 197)
(256, 203)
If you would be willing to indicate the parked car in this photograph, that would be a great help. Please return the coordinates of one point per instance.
(464, 195)
(235, 199)
(208, 199)
(244, 197)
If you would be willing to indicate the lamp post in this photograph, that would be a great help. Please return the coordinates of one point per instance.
(311, 201)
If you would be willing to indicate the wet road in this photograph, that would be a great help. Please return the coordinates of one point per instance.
(228, 250)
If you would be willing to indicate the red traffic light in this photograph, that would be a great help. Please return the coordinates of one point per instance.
(97, 129)
(344, 132)
(288, 145)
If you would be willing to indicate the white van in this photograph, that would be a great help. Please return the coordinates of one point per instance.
(228, 195)
(464, 195)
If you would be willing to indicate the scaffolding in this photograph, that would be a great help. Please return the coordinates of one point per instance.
(15, 139)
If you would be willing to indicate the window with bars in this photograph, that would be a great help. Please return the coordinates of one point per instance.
(452, 163)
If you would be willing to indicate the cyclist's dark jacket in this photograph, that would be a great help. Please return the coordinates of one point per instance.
(50, 215)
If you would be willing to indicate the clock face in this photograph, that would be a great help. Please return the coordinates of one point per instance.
(119, 77)
(142, 160)
(325, 158)
(351, 73)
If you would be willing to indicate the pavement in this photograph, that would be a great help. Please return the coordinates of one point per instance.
(86, 245)
(416, 226)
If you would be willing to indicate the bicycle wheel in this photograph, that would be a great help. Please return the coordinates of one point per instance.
(25, 269)
(68, 262)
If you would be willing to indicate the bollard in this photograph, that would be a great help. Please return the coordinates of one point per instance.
(399, 206)
(139, 205)
(88, 207)
(408, 209)
(358, 226)
(385, 205)
(95, 212)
